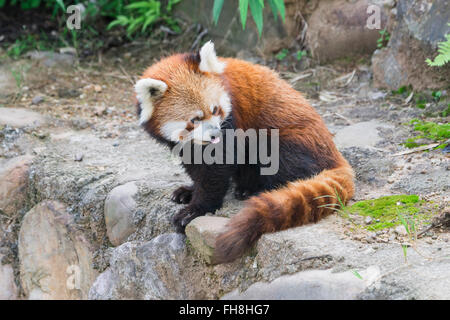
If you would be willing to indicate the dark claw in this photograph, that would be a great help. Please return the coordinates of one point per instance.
(176, 221)
(182, 195)
(183, 217)
(242, 194)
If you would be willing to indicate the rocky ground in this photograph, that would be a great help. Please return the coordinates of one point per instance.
(85, 195)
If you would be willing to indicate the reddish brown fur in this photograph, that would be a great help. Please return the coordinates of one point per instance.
(261, 100)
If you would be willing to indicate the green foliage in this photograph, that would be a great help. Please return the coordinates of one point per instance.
(103, 7)
(256, 10)
(135, 15)
(55, 5)
(383, 39)
(446, 112)
(430, 130)
(436, 95)
(444, 53)
(144, 14)
(26, 43)
(284, 53)
(400, 90)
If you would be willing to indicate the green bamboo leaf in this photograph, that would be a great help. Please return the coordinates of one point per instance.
(121, 20)
(243, 9)
(149, 21)
(61, 4)
(274, 8)
(35, 3)
(138, 5)
(281, 8)
(217, 8)
(171, 4)
(257, 12)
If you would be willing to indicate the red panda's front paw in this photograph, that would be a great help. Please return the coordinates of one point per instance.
(183, 217)
(241, 194)
(183, 194)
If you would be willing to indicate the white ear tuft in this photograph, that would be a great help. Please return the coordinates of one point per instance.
(146, 90)
(208, 59)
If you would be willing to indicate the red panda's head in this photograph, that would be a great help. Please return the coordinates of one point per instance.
(182, 97)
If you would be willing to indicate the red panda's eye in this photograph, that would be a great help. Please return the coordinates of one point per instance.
(215, 110)
(195, 119)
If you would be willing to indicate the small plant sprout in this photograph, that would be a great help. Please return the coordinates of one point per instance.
(405, 252)
(338, 207)
(282, 54)
(411, 230)
(300, 54)
(356, 273)
(383, 39)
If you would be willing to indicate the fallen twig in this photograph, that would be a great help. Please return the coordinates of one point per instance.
(198, 39)
(421, 148)
(126, 74)
(299, 77)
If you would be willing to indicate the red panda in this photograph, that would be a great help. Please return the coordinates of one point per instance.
(193, 97)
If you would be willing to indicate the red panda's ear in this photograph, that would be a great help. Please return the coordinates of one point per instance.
(147, 90)
(209, 61)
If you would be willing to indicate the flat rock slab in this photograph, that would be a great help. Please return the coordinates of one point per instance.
(310, 285)
(20, 118)
(362, 134)
(52, 59)
(8, 85)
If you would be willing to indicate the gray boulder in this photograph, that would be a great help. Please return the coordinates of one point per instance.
(338, 29)
(55, 258)
(14, 183)
(417, 27)
(19, 118)
(146, 270)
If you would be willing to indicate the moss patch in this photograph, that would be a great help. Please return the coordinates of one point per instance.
(384, 211)
(430, 130)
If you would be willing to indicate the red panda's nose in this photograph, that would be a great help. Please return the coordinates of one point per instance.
(215, 133)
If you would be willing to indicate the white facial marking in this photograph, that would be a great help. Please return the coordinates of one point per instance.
(173, 129)
(215, 95)
(225, 103)
(209, 61)
(142, 89)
